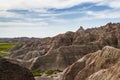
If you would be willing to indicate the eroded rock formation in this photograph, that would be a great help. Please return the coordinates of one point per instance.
(62, 50)
(101, 65)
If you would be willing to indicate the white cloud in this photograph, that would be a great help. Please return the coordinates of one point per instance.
(115, 4)
(110, 3)
(110, 14)
(6, 14)
(7, 24)
(31, 4)
(50, 14)
(39, 10)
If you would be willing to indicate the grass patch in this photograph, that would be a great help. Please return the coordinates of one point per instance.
(48, 72)
(5, 46)
(3, 52)
(37, 73)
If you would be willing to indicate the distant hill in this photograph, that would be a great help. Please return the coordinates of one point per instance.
(17, 39)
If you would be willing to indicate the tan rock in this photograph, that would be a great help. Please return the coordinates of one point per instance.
(98, 62)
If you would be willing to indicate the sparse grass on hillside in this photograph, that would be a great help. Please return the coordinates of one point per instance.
(48, 72)
(4, 47)
(37, 73)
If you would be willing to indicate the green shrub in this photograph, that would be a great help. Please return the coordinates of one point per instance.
(37, 73)
(52, 71)
(49, 72)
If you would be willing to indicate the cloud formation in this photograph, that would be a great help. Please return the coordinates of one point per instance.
(40, 4)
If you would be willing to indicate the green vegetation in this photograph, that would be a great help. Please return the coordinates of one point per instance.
(37, 73)
(48, 72)
(4, 47)
(3, 52)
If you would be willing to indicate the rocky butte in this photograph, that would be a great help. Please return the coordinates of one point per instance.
(64, 49)
(87, 54)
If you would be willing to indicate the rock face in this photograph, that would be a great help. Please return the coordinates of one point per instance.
(63, 50)
(10, 71)
(101, 65)
(112, 73)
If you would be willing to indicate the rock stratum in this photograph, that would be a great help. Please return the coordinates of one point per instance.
(63, 50)
(11, 71)
(101, 65)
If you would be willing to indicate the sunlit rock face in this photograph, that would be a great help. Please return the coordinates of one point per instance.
(61, 51)
(112, 73)
(101, 65)
(11, 71)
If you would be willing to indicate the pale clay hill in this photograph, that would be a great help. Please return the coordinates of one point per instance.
(81, 55)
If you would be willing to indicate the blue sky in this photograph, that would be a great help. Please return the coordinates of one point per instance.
(43, 18)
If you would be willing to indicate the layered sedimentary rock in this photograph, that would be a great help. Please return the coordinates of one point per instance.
(101, 65)
(11, 71)
(112, 73)
(64, 49)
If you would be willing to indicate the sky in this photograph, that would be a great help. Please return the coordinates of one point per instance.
(47, 18)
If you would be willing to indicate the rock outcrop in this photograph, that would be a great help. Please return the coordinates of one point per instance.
(101, 65)
(11, 71)
(63, 50)
(112, 73)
